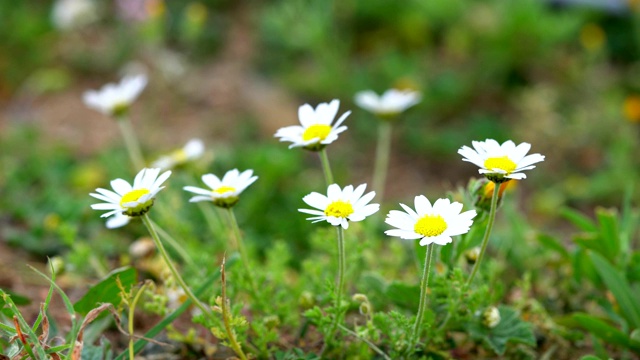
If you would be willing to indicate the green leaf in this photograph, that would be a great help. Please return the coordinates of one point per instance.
(107, 290)
(601, 329)
(610, 237)
(553, 244)
(97, 352)
(511, 328)
(619, 287)
(590, 357)
(580, 221)
(17, 299)
(404, 295)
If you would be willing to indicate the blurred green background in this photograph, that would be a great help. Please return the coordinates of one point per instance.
(563, 76)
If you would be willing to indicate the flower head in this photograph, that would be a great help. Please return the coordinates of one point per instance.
(500, 163)
(431, 224)
(191, 151)
(315, 131)
(130, 200)
(115, 99)
(226, 192)
(339, 207)
(389, 104)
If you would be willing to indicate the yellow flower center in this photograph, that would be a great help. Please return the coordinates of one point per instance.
(133, 195)
(224, 189)
(339, 209)
(316, 131)
(430, 225)
(503, 163)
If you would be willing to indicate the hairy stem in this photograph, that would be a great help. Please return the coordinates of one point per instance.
(424, 285)
(326, 168)
(487, 232)
(383, 151)
(131, 142)
(340, 285)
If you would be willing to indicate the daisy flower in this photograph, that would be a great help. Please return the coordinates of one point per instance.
(130, 200)
(315, 131)
(431, 224)
(340, 206)
(226, 192)
(191, 151)
(500, 163)
(389, 104)
(115, 99)
(73, 14)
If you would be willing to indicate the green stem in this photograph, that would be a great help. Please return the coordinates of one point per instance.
(175, 245)
(243, 254)
(326, 168)
(424, 285)
(383, 151)
(133, 147)
(172, 268)
(132, 308)
(487, 232)
(371, 345)
(226, 318)
(341, 267)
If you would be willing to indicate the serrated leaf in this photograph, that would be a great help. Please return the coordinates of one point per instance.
(601, 329)
(107, 290)
(619, 287)
(510, 329)
(404, 295)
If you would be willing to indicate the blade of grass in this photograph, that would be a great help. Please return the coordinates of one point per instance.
(171, 317)
(24, 327)
(620, 289)
(75, 325)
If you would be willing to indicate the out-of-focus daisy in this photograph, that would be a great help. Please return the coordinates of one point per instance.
(191, 151)
(340, 206)
(389, 104)
(130, 200)
(116, 99)
(500, 163)
(431, 224)
(73, 14)
(226, 192)
(315, 131)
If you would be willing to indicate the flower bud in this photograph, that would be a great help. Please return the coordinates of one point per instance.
(306, 300)
(472, 255)
(491, 317)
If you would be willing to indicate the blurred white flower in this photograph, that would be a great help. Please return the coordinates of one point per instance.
(191, 151)
(115, 99)
(315, 131)
(73, 14)
(500, 163)
(431, 224)
(226, 192)
(389, 104)
(127, 200)
(340, 206)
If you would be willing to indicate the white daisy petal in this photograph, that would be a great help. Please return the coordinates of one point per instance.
(316, 130)
(434, 224)
(500, 162)
(224, 193)
(341, 205)
(391, 103)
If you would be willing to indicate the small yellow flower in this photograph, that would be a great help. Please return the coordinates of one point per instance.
(631, 108)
